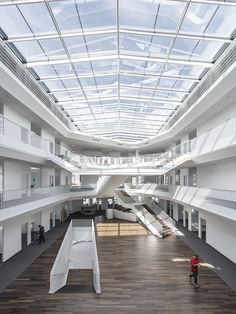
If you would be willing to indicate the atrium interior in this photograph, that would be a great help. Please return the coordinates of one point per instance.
(117, 156)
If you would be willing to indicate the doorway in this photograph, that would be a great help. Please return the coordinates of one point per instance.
(203, 229)
(186, 219)
(1, 243)
(24, 235)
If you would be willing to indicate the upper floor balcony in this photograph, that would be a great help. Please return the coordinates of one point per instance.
(215, 144)
(20, 201)
(216, 201)
(23, 144)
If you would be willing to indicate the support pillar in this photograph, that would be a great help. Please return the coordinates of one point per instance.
(28, 232)
(184, 218)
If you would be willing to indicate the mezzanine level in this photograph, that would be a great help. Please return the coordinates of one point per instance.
(216, 201)
(20, 143)
(17, 202)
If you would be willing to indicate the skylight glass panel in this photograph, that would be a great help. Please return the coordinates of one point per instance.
(64, 69)
(82, 111)
(146, 93)
(55, 85)
(45, 71)
(76, 94)
(38, 18)
(131, 80)
(132, 66)
(66, 15)
(76, 46)
(169, 95)
(191, 49)
(53, 48)
(138, 14)
(31, 50)
(183, 48)
(192, 71)
(41, 50)
(106, 80)
(87, 81)
(184, 85)
(207, 50)
(223, 22)
(198, 17)
(164, 83)
(96, 14)
(12, 22)
(129, 92)
(62, 96)
(127, 83)
(160, 46)
(104, 66)
(75, 105)
(149, 82)
(135, 44)
(71, 84)
(91, 93)
(169, 15)
(101, 43)
(108, 92)
(83, 67)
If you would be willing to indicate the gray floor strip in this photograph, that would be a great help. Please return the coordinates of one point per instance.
(20, 261)
(225, 268)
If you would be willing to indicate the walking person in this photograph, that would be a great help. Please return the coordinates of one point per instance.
(194, 264)
(41, 234)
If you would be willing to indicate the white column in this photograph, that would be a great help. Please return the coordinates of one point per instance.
(184, 218)
(190, 220)
(28, 232)
(53, 218)
(199, 226)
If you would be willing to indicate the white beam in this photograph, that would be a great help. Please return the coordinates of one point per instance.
(121, 31)
(125, 97)
(222, 2)
(115, 57)
(101, 74)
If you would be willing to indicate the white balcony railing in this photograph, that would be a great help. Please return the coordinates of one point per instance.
(220, 137)
(10, 198)
(208, 199)
(11, 130)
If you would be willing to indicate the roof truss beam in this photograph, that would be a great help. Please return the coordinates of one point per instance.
(116, 56)
(121, 31)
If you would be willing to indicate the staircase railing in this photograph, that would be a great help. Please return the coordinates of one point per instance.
(160, 212)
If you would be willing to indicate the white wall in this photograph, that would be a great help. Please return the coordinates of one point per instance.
(45, 219)
(221, 234)
(65, 174)
(11, 238)
(47, 136)
(183, 172)
(87, 181)
(75, 206)
(15, 117)
(221, 175)
(1, 239)
(222, 116)
(46, 173)
(15, 175)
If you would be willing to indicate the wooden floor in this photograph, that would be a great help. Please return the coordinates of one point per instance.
(140, 274)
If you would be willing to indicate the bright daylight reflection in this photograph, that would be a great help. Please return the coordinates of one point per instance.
(184, 259)
(120, 229)
(111, 71)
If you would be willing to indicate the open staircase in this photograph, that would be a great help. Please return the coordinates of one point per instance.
(166, 230)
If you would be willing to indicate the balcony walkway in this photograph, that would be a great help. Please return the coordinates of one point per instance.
(140, 273)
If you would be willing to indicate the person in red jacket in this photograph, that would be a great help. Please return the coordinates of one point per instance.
(194, 264)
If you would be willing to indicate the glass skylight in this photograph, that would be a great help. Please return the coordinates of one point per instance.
(119, 69)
